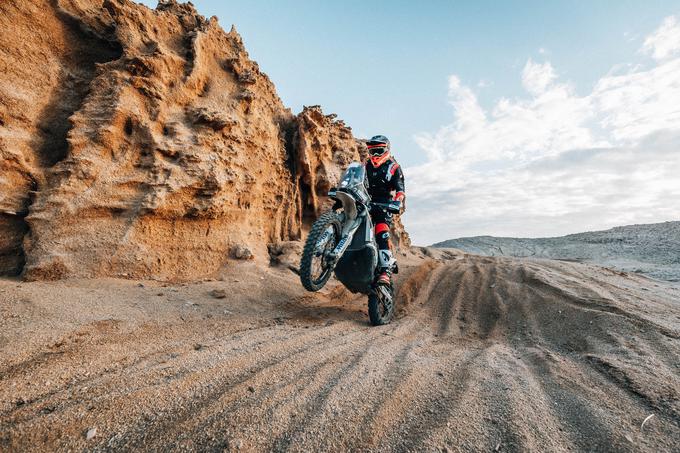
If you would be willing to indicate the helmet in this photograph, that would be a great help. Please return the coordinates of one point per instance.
(379, 149)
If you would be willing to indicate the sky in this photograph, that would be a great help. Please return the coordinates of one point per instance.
(523, 118)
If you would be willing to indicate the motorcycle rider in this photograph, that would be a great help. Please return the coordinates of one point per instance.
(386, 185)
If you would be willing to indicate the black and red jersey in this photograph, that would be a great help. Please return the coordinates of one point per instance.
(386, 182)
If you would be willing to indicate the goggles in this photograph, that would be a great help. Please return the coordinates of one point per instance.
(377, 150)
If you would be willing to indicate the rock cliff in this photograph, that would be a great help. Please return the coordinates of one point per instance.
(146, 143)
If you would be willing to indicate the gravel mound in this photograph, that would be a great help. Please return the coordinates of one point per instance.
(652, 249)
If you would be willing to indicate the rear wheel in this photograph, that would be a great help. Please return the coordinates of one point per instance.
(381, 305)
(315, 266)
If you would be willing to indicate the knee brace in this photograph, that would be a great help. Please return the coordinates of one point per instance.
(385, 260)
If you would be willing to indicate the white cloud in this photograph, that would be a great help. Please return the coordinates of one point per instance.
(537, 77)
(640, 102)
(665, 41)
(554, 162)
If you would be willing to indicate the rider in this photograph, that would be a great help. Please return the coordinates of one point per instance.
(386, 185)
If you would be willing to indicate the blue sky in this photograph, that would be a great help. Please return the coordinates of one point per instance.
(382, 66)
(386, 67)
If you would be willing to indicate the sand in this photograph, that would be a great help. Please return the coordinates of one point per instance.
(486, 354)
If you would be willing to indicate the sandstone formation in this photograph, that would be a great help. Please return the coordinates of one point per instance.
(139, 142)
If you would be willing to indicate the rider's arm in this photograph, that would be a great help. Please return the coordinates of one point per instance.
(398, 184)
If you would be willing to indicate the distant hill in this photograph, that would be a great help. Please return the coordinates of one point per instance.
(651, 249)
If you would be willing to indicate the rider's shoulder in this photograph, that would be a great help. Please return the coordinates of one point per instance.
(393, 165)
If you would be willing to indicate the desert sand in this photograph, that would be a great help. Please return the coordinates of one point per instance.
(486, 354)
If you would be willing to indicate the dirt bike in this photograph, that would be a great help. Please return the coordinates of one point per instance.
(343, 242)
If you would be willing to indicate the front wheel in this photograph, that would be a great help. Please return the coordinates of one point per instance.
(381, 305)
(316, 266)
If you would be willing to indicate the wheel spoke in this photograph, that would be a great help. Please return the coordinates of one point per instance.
(315, 267)
(319, 267)
(384, 304)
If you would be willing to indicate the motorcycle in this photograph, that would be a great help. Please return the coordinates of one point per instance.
(342, 242)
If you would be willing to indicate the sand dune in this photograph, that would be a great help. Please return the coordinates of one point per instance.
(487, 354)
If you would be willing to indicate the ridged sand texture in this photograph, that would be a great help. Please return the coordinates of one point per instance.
(486, 354)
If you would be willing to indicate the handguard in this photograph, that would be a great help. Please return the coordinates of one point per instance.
(394, 207)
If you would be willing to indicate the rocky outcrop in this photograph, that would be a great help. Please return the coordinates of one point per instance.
(47, 62)
(323, 146)
(146, 143)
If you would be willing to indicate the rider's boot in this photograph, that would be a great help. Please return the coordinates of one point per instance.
(385, 263)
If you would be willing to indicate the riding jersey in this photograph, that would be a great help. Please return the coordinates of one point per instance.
(385, 183)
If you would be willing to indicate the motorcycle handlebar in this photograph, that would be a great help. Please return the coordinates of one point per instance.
(387, 206)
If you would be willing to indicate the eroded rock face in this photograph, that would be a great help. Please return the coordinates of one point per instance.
(47, 61)
(146, 143)
(324, 147)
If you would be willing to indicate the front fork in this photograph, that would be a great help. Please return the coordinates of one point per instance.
(323, 240)
(342, 245)
(333, 256)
